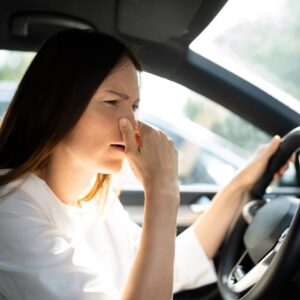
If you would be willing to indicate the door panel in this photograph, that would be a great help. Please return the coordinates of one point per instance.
(192, 203)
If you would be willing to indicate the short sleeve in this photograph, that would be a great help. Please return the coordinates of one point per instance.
(192, 267)
(38, 261)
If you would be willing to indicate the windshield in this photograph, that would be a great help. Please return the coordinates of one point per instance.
(259, 41)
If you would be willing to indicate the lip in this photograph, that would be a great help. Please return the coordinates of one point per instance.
(118, 147)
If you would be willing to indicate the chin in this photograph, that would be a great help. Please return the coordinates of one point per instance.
(111, 168)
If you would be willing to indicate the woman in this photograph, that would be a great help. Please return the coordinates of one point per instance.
(63, 233)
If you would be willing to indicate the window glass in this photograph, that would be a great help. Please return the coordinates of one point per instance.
(212, 142)
(259, 41)
(13, 65)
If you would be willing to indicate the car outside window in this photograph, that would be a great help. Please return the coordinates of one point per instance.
(213, 143)
(13, 65)
(210, 148)
(259, 41)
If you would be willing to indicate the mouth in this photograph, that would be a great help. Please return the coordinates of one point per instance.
(118, 147)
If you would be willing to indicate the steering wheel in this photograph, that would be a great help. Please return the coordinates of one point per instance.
(261, 253)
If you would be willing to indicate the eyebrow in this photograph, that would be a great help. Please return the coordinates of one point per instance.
(123, 96)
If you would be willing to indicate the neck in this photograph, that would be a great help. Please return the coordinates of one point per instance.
(66, 178)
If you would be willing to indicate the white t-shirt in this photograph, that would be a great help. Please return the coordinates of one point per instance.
(53, 251)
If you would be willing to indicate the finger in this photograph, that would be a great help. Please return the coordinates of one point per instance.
(128, 134)
(281, 171)
(140, 132)
(138, 138)
(272, 146)
(293, 158)
(144, 127)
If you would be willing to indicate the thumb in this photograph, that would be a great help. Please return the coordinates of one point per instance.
(128, 135)
(273, 146)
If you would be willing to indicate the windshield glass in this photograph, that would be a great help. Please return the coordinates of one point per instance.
(259, 41)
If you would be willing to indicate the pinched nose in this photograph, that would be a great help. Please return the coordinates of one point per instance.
(131, 118)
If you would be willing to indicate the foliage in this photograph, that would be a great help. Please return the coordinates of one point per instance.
(266, 43)
(13, 64)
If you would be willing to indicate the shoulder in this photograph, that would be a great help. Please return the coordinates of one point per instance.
(28, 215)
(27, 196)
(13, 195)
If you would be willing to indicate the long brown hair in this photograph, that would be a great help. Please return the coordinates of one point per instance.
(52, 96)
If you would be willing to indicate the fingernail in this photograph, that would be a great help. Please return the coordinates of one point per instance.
(123, 122)
(276, 137)
(138, 138)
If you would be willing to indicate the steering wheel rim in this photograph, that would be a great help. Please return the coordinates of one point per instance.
(282, 267)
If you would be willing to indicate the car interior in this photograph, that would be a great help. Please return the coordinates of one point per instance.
(259, 258)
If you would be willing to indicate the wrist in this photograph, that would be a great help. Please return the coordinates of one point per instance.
(164, 191)
(236, 187)
(158, 187)
(163, 194)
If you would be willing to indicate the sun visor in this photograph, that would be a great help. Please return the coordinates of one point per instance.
(163, 21)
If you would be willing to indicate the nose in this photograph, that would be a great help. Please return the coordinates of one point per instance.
(130, 115)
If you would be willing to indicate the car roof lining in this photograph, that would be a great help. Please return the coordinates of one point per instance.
(176, 21)
(163, 51)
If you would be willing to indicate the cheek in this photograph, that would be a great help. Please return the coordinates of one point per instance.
(93, 131)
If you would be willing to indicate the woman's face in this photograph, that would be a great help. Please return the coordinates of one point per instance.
(93, 140)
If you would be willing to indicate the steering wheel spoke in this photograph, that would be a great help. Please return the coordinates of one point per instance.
(246, 274)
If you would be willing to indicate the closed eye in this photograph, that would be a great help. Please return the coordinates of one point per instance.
(135, 107)
(111, 102)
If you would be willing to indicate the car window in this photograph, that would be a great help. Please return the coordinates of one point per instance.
(259, 41)
(213, 143)
(13, 65)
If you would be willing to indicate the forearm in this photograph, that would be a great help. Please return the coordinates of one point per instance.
(211, 227)
(151, 276)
